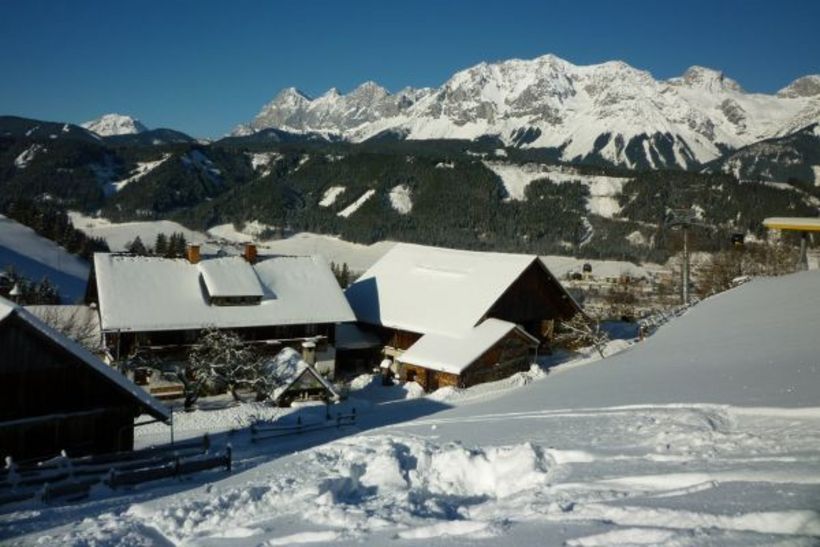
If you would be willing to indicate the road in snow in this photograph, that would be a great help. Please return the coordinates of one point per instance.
(707, 433)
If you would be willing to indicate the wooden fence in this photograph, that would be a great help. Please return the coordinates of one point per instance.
(263, 431)
(68, 479)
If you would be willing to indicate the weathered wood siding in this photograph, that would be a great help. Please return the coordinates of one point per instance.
(401, 339)
(38, 378)
(534, 301)
(511, 354)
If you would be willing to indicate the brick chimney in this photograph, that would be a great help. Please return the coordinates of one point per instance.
(192, 253)
(250, 253)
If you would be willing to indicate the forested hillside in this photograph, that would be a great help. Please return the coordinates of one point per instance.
(471, 194)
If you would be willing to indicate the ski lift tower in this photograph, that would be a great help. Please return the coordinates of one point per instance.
(683, 219)
(804, 225)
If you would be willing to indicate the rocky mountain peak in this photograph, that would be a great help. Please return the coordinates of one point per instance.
(707, 79)
(115, 124)
(807, 86)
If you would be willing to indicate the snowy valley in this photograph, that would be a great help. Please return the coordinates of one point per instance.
(686, 438)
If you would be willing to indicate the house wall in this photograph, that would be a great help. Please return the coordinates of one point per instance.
(175, 344)
(534, 301)
(511, 354)
(66, 405)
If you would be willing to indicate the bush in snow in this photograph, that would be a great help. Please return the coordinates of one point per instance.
(222, 360)
(752, 259)
(578, 332)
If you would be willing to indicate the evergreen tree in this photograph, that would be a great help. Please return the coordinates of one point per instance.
(136, 247)
(161, 245)
(46, 293)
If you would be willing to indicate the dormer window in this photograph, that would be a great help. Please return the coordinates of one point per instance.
(230, 281)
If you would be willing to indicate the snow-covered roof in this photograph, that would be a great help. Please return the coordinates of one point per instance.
(150, 404)
(434, 290)
(155, 294)
(230, 276)
(288, 367)
(453, 354)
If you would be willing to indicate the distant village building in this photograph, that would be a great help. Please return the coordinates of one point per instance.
(452, 317)
(55, 395)
(161, 305)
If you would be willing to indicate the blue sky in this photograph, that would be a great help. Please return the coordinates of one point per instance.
(203, 66)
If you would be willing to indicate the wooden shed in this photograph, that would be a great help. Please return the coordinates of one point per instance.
(493, 350)
(55, 395)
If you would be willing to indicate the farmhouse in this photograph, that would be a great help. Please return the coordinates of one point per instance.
(452, 317)
(162, 304)
(55, 395)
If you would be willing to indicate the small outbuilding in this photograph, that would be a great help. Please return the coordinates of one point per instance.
(298, 380)
(56, 395)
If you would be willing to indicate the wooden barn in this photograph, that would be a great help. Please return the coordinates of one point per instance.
(453, 317)
(161, 305)
(55, 395)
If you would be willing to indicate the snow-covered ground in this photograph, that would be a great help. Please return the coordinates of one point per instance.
(353, 207)
(36, 257)
(708, 433)
(401, 199)
(358, 257)
(118, 235)
(142, 169)
(330, 195)
(603, 190)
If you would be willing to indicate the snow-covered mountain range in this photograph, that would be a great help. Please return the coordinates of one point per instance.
(610, 110)
(115, 124)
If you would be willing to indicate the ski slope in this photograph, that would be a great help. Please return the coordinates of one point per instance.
(36, 257)
(706, 433)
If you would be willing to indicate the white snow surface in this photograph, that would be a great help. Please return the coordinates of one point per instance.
(400, 199)
(156, 294)
(357, 256)
(688, 438)
(433, 290)
(36, 257)
(251, 232)
(230, 276)
(261, 162)
(114, 124)
(583, 110)
(142, 169)
(603, 190)
(118, 235)
(453, 354)
(353, 207)
(330, 195)
(27, 156)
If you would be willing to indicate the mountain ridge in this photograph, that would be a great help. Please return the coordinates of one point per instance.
(613, 110)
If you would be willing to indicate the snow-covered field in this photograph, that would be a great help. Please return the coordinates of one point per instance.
(708, 433)
(603, 190)
(119, 234)
(358, 257)
(36, 257)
